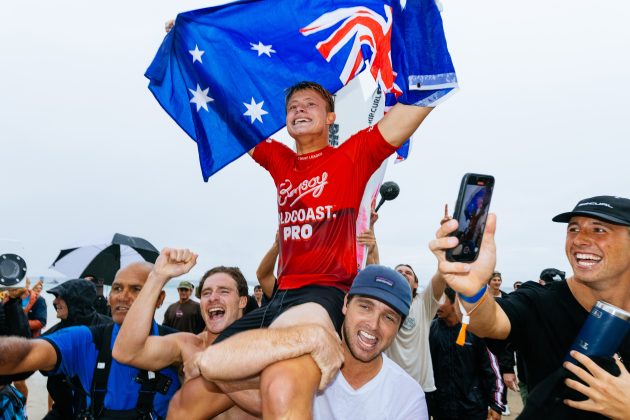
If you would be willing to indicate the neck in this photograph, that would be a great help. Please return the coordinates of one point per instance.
(184, 300)
(613, 291)
(358, 373)
(207, 337)
(451, 320)
(310, 143)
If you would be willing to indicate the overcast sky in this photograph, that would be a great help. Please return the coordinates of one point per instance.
(87, 151)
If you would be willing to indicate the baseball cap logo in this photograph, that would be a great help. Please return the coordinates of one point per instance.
(384, 281)
(594, 203)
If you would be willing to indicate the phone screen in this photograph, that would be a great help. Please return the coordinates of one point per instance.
(471, 212)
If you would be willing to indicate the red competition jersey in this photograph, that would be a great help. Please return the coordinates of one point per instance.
(319, 195)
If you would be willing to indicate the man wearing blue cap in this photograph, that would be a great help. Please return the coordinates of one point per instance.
(368, 386)
(598, 249)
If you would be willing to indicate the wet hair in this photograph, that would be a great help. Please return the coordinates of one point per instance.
(414, 290)
(234, 272)
(450, 294)
(415, 278)
(495, 274)
(330, 100)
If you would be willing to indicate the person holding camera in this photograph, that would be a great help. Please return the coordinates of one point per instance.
(598, 249)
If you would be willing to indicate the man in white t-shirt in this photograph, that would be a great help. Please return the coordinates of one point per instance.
(368, 385)
(410, 349)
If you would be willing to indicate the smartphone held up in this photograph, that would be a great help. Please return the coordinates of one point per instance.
(471, 213)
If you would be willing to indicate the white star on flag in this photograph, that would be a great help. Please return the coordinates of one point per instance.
(262, 49)
(255, 110)
(196, 54)
(200, 98)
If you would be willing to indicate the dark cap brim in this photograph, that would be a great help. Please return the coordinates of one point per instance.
(566, 217)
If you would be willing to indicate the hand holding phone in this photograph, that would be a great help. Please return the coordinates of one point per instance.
(471, 213)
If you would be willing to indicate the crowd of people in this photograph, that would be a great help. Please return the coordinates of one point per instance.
(323, 339)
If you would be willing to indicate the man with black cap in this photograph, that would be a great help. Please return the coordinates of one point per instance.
(368, 386)
(543, 322)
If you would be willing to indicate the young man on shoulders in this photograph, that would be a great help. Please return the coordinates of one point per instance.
(319, 192)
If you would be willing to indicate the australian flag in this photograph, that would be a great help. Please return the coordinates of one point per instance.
(221, 72)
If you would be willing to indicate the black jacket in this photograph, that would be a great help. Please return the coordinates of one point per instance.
(13, 321)
(79, 296)
(467, 377)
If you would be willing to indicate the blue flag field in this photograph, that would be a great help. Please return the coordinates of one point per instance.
(221, 72)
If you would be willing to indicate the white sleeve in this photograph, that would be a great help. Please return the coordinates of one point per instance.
(430, 305)
(416, 408)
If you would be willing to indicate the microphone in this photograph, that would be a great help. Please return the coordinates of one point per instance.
(389, 190)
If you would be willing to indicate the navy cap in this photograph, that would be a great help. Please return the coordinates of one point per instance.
(384, 284)
(604, 207)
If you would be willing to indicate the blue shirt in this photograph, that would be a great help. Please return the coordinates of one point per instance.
(77, 355)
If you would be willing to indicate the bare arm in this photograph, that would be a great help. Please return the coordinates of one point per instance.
(19, 355)
(438, 284)
(488, 319)
(134, 346)
(401, 122)
(246, 354)
(368, 238)
(198, 399)
(264, 272)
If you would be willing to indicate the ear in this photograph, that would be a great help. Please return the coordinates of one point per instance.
(330, 118)
(242, 302)
(160, 300)
(345, 305)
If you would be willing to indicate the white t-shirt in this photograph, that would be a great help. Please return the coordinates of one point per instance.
(410, 349)
(392, 394)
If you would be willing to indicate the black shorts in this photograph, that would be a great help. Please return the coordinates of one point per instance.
(330, 298)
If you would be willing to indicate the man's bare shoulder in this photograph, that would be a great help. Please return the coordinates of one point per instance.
(188, 339)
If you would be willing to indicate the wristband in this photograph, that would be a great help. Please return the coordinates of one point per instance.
(476, 297)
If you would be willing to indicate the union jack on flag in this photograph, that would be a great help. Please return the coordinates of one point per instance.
(221, 72)
(369, 34)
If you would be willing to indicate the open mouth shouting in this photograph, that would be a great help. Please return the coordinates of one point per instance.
(301, 121)
(586, 260)
(367, 340)
(216, 313)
